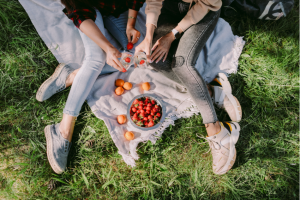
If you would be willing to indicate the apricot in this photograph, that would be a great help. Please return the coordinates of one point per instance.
(119, 90)
(146, 86)
(122, 119)
(119, 83)
(127, 86)
(129, 135)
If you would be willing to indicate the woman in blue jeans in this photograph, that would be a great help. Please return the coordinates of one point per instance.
(100, 57)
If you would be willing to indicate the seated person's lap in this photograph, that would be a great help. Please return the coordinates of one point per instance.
(109, 26)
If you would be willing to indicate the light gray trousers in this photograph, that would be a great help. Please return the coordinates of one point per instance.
(180, 63)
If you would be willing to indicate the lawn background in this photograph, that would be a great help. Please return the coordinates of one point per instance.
(176, 167)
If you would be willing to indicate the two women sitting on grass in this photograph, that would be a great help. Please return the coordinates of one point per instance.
(179, 30)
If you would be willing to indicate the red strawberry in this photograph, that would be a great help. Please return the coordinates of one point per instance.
(145, 107)
(148, 108)
(153, 102)
(155, 118)
(142, 62)
(142, 111)
(150, 117)
(156, 106)
(127, 59)
(154, 110)
(151, 123)
(152, 113)
(142, 115)
(145, 123)
(129, 45)
(149, 105)
(136, 101)
(133, 109)
(158, 114)
(140, 107)
(138, 111)
(141, 103)
(139, 123)
(145, 118)
(148, 112)
(135, 115)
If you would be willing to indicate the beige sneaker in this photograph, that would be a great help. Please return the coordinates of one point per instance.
(222, 147)
(223, 98)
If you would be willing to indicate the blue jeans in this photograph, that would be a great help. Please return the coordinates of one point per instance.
(94, 61)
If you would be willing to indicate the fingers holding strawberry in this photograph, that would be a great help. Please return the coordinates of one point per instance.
(133, 35)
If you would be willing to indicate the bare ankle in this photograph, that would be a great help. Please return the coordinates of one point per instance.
(213, 128)
(71, 78)
(66, 126)
(65, 133)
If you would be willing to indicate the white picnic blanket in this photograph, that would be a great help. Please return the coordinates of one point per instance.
(220, 54)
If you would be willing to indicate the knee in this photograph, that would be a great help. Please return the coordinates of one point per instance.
(95, 57)
(93, 63)
(182, 61)
(178, 61)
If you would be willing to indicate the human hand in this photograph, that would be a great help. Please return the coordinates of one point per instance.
(112, 55)
(144, 46)
(133, 35)
(161, 47)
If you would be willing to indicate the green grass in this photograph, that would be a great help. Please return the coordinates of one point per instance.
(176, 167)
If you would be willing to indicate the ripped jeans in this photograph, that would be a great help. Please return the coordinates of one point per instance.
(180, 63)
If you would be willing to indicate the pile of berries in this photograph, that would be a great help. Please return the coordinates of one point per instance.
(145, 112)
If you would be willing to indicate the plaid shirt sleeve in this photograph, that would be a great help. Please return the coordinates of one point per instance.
(135, 4)
(79, 15)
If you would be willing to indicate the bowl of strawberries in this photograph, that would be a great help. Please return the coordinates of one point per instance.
(146, 112)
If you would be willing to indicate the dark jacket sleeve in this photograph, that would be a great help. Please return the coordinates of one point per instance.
(135, 4)
(79, 15)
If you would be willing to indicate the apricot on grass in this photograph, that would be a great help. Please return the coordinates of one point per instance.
(127, 86)
(146, 86)
(119, 83)
(129, 135)
(122, 119)
(119, 90)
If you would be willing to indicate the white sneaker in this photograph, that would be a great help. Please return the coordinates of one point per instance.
(223, 98)
(222, 147)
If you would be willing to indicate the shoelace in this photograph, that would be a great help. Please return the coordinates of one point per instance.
(209, 141)
(67, 146)
(206, 140)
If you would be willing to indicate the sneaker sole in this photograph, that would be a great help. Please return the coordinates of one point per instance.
(235, 133)
(237, 108)
(50, 156)
(228, 91)
(225, 83)
(232, 161)
(47, 82)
